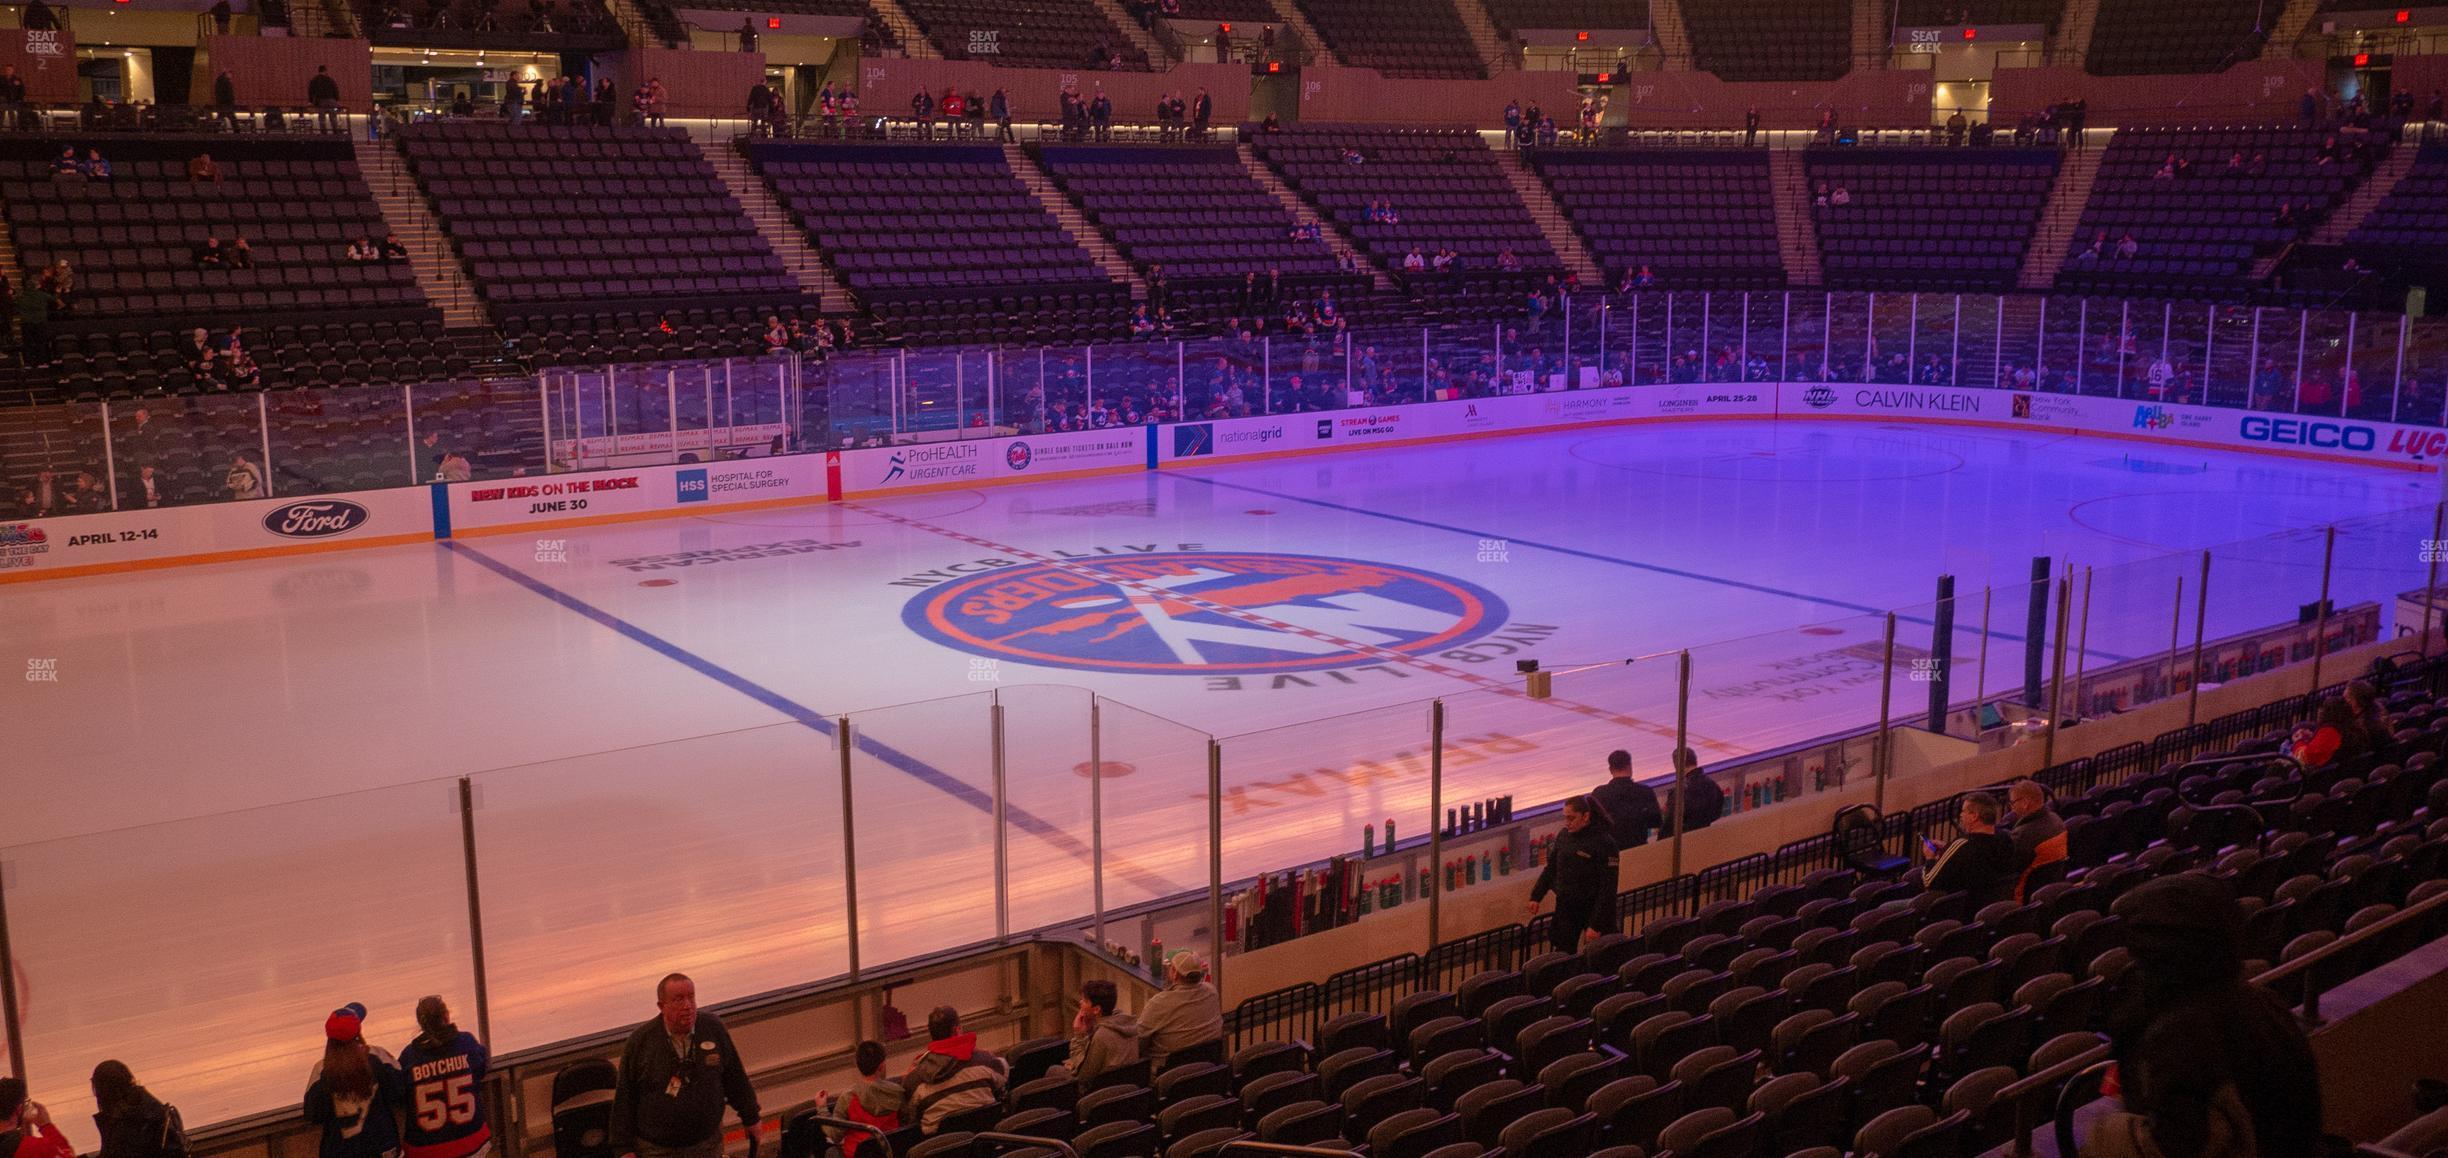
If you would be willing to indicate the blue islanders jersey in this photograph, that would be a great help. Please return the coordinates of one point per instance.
(446, 1113)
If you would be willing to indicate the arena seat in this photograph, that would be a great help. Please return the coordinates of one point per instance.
(1772, 39)
(1698, 218)
(945, 234)
(1404, 38)
(1928, 219)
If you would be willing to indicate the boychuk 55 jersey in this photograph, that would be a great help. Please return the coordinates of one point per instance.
(446, 1113)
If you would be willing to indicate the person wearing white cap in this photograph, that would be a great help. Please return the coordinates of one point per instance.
(356, 1093)
(1185, 1013)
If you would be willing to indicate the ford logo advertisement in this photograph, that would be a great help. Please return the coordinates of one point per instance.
(315, 519)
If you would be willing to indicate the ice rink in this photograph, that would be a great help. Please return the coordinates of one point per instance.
(236, 806)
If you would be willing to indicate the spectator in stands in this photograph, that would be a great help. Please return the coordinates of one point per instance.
(64, 167)
(954, 109)
(872, 1100)
(1978, 862)
(1100, 114)
(323, 93)
(1202, 112)
(239, 370)
(1630, 807)
(676, 1073)
(209, 255)
(225, 101)
(777, 336)
(954, 1074)
(2309, 107)
(25, 1126)
(849, 105)
(456, 468)
(1414, 261)
(1513, 120)
(1272, 125)
(149, 490)
(1581, 870)
(1839, 197)
(998, 109)
(362, 251)
(2335, 735)
(2127, 248)
(38, 17)
(1102, 1036)
(452, 1064)
(1699, 797)
(606, 106)
(95, 166)
(2364, 700)
(239, 255)
(2207, 1062)
(1186, 1012)
(1506, 260)
(202, 169)
(657, 98)
(2037, 832)
(1751, 127)
(922, 110)
(1955, 127)
(13, 99)
(393, 249)
(244, 479)
(132, 1122)
(356, 1092)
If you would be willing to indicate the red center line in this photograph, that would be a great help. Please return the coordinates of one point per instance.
(1387, 655)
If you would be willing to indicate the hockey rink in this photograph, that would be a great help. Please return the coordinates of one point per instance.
(236, 805)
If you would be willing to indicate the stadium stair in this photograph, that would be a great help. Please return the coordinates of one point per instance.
(1873, 37)
(1672, 37)
(2047, 252)
(430, 253)
(905, 29)
(1307, 214)
(1552, 222)
(1290, 13)
(1797, 239)
(1108, 259)
(2375, 188)
(2292, 23)
(1495, 52)
(2073, 41)
(1146, 40)
(788, 242)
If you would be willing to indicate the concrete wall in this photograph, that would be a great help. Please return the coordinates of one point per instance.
(885, 86)
(1364, 94)
(695, 84)
(49, 70)
(2255, 92)
(1876, 98)
(273, 70)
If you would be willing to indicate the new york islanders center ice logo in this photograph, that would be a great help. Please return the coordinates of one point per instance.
(1201, 613)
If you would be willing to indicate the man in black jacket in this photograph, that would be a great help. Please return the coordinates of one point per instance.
(324, 94)
(1701, 800)
(676, 1073)
(1979, 861)
(1581, 870)
(1631, 807)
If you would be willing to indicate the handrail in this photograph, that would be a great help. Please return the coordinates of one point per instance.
(2021, 1091)
(2090, 1079)
(849, 1126)
(1054, 1144)
(2207, 762)
(1246, 1146)
(2260, 821)
(2351, 941)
